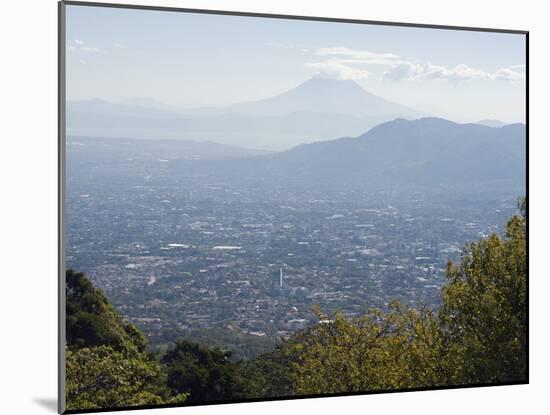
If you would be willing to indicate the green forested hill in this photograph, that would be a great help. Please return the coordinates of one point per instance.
(107, 364)
(92, 321)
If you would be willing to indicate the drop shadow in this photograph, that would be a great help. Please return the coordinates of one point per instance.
(48, 403)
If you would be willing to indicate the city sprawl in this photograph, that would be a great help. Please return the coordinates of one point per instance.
(181, 254)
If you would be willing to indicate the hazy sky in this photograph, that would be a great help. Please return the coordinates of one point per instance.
(194, 60)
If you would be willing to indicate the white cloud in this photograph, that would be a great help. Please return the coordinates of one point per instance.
(459, 73)
(119, 46)
(337, 70)
(402, 71)
(347, 55)
(81, 48)
(520, 67)
(514, 73)
(429, 71)
(348, 63)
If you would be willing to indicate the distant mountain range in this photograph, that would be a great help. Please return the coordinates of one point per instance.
(318, 109)
(423, 154)
(492, 123)
(116, 150)
(428, 152)
(322, 96)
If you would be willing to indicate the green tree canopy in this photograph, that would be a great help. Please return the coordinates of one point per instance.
(484, 313)
(206, 374)
(107, 365)
(92, 321)
(101, 377)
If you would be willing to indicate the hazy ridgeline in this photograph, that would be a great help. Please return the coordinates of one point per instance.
(318, 109)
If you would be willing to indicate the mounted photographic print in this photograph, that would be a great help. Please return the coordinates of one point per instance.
(258, 207)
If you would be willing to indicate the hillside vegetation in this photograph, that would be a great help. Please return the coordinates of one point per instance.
(107, 364)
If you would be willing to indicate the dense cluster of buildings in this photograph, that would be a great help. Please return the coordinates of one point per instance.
(180, 257)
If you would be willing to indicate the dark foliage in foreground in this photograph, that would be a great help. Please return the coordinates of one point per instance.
(207, 374)
(106, 360)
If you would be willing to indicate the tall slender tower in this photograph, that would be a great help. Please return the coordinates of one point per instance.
(280, 277)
